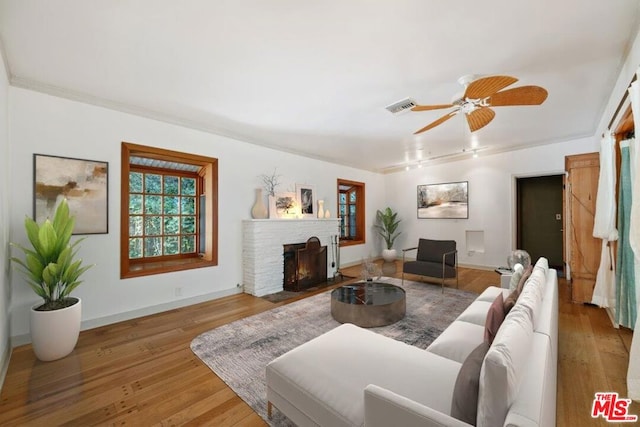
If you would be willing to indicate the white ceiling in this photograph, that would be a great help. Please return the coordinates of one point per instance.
(313, 77)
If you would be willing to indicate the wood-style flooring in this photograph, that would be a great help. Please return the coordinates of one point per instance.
(142, 372)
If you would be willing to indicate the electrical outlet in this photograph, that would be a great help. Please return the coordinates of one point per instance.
(178, 292)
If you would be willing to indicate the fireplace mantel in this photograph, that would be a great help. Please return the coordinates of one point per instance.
(262, 242)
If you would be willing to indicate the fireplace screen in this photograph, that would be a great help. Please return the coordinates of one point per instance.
(305, 265)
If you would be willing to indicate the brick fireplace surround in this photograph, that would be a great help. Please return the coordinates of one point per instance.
(262, 249)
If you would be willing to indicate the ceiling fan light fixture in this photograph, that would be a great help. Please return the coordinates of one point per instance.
(480, 95)
(467, 79)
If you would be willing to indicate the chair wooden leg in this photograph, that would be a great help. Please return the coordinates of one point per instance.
(269, 408)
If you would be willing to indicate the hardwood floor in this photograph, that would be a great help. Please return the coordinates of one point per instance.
(142, 371)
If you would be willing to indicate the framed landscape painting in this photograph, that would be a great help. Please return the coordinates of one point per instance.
(444, 201)
(282, 205)
(85, 185)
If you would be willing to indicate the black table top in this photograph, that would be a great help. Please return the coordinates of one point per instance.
(368, 293)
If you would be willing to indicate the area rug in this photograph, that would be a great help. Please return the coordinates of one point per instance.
(239, 352)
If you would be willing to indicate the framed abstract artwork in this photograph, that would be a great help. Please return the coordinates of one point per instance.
(85, 185)
(444, 201)
(306, 197)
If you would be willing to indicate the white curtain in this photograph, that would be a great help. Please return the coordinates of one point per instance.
(604, 226)
(633, 373)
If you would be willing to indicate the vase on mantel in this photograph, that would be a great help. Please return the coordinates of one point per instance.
(320, 208)
(259, 209)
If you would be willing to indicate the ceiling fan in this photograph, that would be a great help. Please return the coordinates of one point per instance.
(481, 94)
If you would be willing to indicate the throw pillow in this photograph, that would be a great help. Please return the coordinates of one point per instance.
(515, 277)
(464, 404)
(523, 279)
(510, 301)
(495, 317)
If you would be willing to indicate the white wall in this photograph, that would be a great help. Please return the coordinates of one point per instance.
(5, 288)
(491, 197)
(627, 69)
(45, 124)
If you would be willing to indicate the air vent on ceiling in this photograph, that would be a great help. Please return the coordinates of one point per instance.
(401, 106)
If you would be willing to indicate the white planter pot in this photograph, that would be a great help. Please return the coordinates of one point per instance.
(389, 255)
(54, 334)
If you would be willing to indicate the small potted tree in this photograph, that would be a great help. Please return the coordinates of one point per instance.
(52, 273)
(387, 226)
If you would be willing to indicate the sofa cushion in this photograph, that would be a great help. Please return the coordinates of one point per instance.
(464, 405)
(325, 378)
(458, 340)
(491, 293)
(504, 366)
(428, 268)
(535, 404)
(494, 318)
(543, 264)
(532, 293)
(476, 313)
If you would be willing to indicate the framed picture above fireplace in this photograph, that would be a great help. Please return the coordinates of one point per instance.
(282, 205)
(306, 197)
(444, 201)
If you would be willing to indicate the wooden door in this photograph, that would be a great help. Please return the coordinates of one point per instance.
(584, 251)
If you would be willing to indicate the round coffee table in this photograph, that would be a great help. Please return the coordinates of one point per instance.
(368, 304)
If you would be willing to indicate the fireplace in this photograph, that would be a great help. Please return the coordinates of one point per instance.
(305, 265)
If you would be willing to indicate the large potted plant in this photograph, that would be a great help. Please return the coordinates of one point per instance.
(53, 273)
(387, 226)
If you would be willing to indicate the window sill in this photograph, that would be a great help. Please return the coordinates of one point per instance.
(151, 268)
(351, 242)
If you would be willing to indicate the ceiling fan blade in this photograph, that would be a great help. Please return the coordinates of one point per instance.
(431, 107)
(437, 122)
(479, 118)
(487, 86)
(524, 95)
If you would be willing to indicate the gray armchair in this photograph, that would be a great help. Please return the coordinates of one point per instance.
(435, 258)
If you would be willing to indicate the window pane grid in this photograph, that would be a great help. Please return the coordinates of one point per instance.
(162, 215)
(348, 215)
(351, 205)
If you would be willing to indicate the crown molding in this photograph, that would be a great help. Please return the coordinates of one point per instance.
(162, 117)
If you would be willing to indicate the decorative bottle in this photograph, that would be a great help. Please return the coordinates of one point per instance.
(259, 210)
(320, 208)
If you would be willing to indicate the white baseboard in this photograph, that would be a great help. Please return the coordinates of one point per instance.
(133, 314)
(478, 267)
(4, 362)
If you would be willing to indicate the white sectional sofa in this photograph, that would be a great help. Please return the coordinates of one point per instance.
(351, 376)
